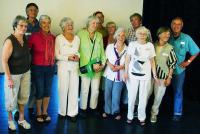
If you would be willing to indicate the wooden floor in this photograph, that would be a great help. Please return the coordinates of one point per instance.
(190, 124)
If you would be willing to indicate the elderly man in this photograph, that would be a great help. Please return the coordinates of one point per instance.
(182, 43)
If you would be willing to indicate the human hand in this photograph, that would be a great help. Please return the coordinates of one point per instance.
(184, 64)
(10, 83)
(167, 82)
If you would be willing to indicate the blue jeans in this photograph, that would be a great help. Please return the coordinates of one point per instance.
(43, 77)
(177, 83)
(112, 96)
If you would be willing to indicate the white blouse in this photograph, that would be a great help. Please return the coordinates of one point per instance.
(111, 57)
(64, 48)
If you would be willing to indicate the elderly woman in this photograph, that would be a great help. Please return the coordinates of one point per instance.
(109, 39)
(42, 45)
(16, 61)
(138, 65)
(113, 74)
(100, 27)
(92, 57)
(165, 63)
(66, 51)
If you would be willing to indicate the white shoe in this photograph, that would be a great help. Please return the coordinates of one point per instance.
(153, 119)
(24, 124)
(11, 125)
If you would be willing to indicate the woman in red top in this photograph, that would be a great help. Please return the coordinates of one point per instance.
(42, 45)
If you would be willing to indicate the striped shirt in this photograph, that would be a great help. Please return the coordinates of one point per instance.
(165, 60)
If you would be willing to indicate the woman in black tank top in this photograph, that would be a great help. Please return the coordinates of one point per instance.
(16, 61)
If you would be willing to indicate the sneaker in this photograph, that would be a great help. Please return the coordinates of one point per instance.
(24, 124)
(11, 125)
(177, 118)
(153, 119)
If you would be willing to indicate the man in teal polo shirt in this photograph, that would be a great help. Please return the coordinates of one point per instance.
(182, 43)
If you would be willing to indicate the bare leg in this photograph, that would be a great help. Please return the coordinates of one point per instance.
(45, 104)
(21, 112)
(39, 105)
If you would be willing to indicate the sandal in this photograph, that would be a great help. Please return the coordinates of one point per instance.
(142, 123)
(39, 118)
(128, 121)
(118, 117)
(11, 125)
(46, 118)
(24, 124)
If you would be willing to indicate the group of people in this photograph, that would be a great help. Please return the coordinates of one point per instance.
(129, 62)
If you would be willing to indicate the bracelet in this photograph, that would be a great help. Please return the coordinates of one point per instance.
(155, 76)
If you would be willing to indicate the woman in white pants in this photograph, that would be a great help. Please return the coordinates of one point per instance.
(165, 63)
(138, 65)
(67, 46)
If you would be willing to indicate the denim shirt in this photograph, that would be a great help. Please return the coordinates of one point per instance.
(183, 44)
(31, 29)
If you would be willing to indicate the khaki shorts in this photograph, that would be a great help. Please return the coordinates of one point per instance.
(20, 92)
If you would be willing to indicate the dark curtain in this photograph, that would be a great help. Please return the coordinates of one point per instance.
(158, 13)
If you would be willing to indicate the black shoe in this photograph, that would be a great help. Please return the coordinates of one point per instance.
(73, 119)
(61, 116)
(16, 116)
(83, 113)
(177, 118)
(94, 112)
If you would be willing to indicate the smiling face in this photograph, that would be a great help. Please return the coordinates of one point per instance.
(121, 37)
(164, 36)
(93, 25)
(69, 27)
(111, 28)
(135, 22)
(21, 27)
(176, 26)
(32, 12)
(45, 25)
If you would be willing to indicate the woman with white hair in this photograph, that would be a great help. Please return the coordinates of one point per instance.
(42, 45)
(113, 74)
(138, 65)
(92, 61)
(66, 51)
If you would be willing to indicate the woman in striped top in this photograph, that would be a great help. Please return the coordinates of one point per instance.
(165, 63)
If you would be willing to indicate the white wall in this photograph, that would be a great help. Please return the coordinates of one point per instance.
(115, 10)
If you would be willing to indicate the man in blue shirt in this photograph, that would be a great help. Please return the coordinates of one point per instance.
(183, 44)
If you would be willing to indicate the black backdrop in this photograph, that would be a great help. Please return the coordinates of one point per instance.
(158, 13)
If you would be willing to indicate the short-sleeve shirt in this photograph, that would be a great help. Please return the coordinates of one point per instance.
(140, 54)
(183, 44)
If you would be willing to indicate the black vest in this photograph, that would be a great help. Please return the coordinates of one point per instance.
(20, 59)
